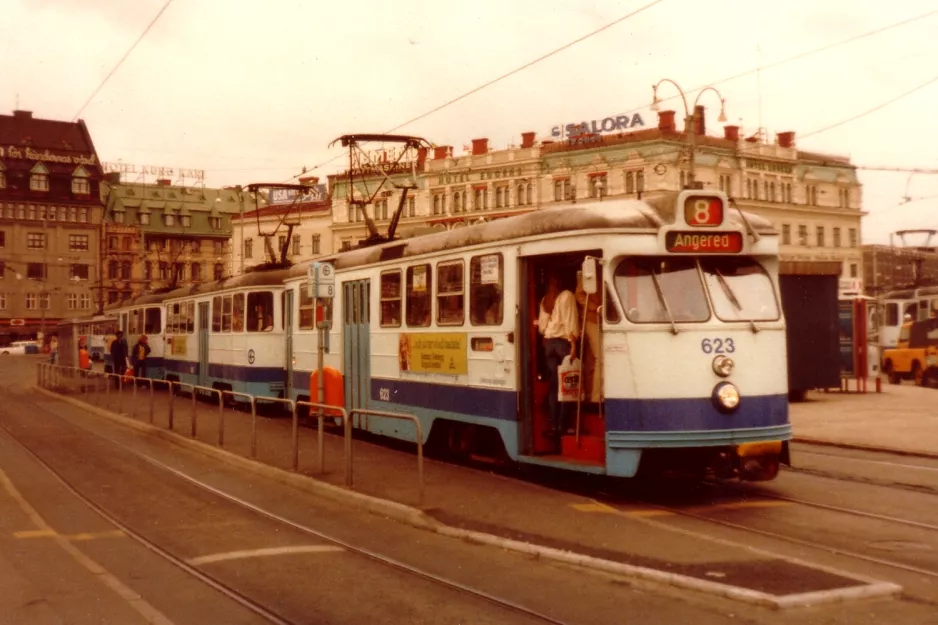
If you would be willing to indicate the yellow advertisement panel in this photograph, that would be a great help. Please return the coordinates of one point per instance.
(434, 353)
(179, 344)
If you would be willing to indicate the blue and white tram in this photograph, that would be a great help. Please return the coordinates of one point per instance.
(900, 307)
(689, 338)
(229, 334)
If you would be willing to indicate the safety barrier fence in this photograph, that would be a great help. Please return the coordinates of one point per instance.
(107, 390)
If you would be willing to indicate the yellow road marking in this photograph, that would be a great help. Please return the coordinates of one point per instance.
(602, 508)
(256, 553)
(736, 505)
(74, 537)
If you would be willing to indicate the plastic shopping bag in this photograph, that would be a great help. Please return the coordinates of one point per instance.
(568, 374)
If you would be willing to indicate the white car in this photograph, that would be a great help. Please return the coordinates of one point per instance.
(17, 347)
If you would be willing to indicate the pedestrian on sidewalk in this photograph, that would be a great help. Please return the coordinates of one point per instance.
(54, 349)
(139, 357)
(119, 356)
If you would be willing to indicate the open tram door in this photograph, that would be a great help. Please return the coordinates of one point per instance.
(584, 445)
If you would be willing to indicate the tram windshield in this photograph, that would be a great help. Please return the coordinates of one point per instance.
(663, 289)
(740, 289)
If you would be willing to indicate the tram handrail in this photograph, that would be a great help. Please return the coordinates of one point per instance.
(253, 402)
(391, 415)
(321, 416)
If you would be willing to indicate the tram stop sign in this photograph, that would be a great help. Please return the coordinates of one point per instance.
(320, 281)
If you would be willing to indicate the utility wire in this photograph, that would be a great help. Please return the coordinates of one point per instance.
(122, 59)
(500, 78)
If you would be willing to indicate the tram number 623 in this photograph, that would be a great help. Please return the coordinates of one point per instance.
(717, 346)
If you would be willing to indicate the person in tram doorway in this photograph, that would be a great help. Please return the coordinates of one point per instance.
(589, 307)
(118, 356)
(558, 322)
(139, 356)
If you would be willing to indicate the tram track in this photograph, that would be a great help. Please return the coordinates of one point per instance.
(214, 582)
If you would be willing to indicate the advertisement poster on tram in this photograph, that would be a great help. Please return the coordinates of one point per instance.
(434, 353)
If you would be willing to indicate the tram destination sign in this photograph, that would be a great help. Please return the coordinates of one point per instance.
(678, 242)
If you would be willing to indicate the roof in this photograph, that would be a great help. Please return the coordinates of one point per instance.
(68, 143)
(277, 210)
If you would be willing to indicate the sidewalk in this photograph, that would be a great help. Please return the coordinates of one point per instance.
(902, 419)
(505, 512)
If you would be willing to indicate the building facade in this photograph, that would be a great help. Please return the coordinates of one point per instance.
(162, 236)
(50, 223)
(302, 225)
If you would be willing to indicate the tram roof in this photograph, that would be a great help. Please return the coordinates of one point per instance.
(613, 214)
(272, 277)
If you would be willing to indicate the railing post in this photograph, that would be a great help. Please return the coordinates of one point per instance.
(296, 439)
(320, 443)
(120, 391)
(349, 481)
(84, 385)
(221, 419)
(172, 396)
(133, 399)
(151, 399)
(253, 427)
(194, 417)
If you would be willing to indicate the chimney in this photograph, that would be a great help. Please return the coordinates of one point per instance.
(731, 133)
(666, 121)
(700, 119)
(23, 114)
(163, 182)
(527, 139)
(786, 139)
(480, 146)
(114, 177)
(441, 152)
(421, 157)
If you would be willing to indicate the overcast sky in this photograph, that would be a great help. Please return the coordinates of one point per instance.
(254, 91)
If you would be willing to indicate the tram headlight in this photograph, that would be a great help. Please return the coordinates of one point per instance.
(723, 366)
(726, 397)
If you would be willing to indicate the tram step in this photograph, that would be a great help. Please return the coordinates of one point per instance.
(591, 448)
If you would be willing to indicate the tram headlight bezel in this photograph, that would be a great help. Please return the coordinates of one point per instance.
(726, 397)
(723, 366)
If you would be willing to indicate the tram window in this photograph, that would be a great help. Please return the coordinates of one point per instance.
(226, 314)
(645, 283)
(892, 314)
(390, 299)
(182, 318)
(308, 315)
(135, 322)
(486, 300)
(151, 322)
(740, 289)
(216, 314)
(449, 294)
(173, 323)
(237, 312)
(190, 317)
(419, 288)
(260, 311)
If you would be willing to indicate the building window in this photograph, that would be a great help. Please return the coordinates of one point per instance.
(112, 297)
(315, 244)
(125, 270)
(820, 236)
(83, 215)
(836, 237)
(169, 219)
(36, 240)
(249, 248)
(381, 209)
(852, 233)
(786, 234)
(529, 194)
(3, 269)
(436, 203)
(196, 272)
(411, 207)
(810, 195)
(682, 179)
(802, 235)
(3, 183)
(85, 300)
(81, 186)
(39, 182)
(3, 239)
(281, 244)
(164, 270)
(112, 270)
(853, 270)
(3, 301)
(478, 199)
(562, 190)
(519, 199)
(144, 219)
(195, 246)
(788, 192)
(214, 223)
(44, 300)
(598, 186)
(126, 243)
(726, 185)
(748, 189)
(218, 271)
(118, 217)
(219, 248)
(147, 271)
(499, 197)
(844, 195)
(457, 202)
(772, 192)
(36, 271)
(73, 301)
(296, 245)
(78, 272)
(112, 243)
(31, 301)
(185, 221)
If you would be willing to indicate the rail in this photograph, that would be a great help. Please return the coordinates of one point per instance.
(321, 416)
(389, 415)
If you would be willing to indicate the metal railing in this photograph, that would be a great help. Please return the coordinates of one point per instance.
(389, 415)
(50, 376)
(325, 411)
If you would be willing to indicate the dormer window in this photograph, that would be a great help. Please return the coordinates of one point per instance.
(39, 178)
(3, 178)
(80, 184)
(169, 219)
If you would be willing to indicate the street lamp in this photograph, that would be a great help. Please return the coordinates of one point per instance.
(690, 120)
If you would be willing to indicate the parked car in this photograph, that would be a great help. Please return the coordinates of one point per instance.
(20, 347)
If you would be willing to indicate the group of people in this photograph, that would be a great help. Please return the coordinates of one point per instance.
(138, 357)
(560, 321)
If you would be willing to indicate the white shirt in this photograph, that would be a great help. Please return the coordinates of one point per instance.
(563, 322)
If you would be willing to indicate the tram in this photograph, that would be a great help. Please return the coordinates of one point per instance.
(900, 307)
(142, 315)
(682, 350)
